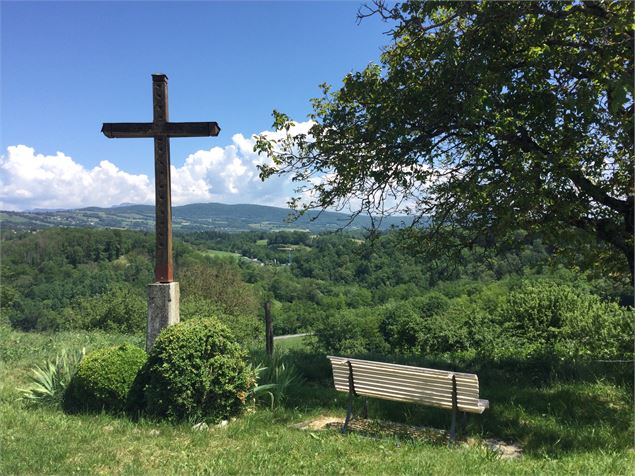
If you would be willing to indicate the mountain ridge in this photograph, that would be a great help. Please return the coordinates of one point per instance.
(195, 217)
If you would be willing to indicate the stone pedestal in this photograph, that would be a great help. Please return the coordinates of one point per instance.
(163, 309)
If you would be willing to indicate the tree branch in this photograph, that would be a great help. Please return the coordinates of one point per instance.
(527, 144)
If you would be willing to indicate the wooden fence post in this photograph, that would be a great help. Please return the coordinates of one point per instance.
(268, 329)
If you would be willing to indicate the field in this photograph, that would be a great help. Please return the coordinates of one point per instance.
(581, 425)
(220, 254)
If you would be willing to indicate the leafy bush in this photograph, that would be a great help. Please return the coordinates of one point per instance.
(104, 379)
(430, 304)
(428, 324)
(118, 310)
(449, 331)
(544, 318)
(246, 328)
(196, 371)
(351, 332)
(402, 327)
(48, 383)
(311, 365)
(219, 281)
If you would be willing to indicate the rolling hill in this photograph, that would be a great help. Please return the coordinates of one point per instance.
(193, 217)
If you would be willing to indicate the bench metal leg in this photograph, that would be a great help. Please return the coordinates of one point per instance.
(351, 394)
(455, 408)
(365, 414)
(349, 413)
(463, 424)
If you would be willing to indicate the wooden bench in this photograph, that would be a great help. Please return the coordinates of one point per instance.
(453, 391)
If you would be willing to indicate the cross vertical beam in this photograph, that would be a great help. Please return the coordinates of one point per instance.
(163, 268)
(163, 294)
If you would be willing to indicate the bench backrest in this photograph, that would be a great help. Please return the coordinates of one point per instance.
(408, 384)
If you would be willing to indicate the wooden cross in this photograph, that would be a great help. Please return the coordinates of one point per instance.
(161, 130)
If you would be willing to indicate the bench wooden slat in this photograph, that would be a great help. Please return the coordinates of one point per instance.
(460, 379)
(405, 374)
(443, 385)
(400, 367)
(386, 375)
(415, 396)
(433, 403)
(341, 380)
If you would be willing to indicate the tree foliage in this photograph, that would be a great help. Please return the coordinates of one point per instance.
(485, 117)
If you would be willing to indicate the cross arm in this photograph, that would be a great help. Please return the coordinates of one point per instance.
(151, 129)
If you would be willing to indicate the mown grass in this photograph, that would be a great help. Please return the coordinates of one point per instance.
(292, 343)
(220, 254)
(566, 426)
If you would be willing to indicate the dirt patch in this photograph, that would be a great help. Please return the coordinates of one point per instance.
(504, 449)
(382, 429)
(319, 423)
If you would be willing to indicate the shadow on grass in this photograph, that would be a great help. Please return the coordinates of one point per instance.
(549, 408)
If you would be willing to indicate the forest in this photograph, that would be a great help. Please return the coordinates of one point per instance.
(358, 294)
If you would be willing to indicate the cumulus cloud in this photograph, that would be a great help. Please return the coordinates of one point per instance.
(221, 174)
(30, 180)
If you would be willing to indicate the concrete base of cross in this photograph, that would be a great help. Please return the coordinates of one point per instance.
(163, 309)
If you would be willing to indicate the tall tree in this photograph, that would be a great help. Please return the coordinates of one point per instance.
(485, 117)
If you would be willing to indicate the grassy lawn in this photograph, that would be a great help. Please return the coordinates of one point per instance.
(292, 343)
(578, 426)
(220, 254)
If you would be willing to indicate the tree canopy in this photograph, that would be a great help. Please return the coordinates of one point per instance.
(483, 117)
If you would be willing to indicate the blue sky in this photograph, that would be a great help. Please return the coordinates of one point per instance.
(67, 67)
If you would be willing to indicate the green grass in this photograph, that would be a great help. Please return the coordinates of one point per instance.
(564, 427)
(292, 343)
(220, 254)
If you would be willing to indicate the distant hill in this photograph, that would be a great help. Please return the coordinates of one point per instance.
(194, 217)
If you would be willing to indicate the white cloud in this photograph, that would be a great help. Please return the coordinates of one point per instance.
(30, 180)
(221, 174)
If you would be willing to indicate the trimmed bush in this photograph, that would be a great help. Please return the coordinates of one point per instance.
(196, 371)
(103, 379)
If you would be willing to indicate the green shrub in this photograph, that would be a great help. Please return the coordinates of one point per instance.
(452, 329)
(117, 310)
(311, 365)
(428, 325)
(402, 328)
(104, 379)
(544, 318)
(351, 332)
(196, 371)
(430, 304)
(246, 328)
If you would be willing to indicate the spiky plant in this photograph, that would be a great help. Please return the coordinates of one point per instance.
(276, 378)
(48, 382)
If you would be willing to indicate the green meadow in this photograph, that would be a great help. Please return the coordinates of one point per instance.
(577, 425)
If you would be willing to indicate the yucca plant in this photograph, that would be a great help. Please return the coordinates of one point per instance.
(262, 389)
(48, 382)
(275, 378)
